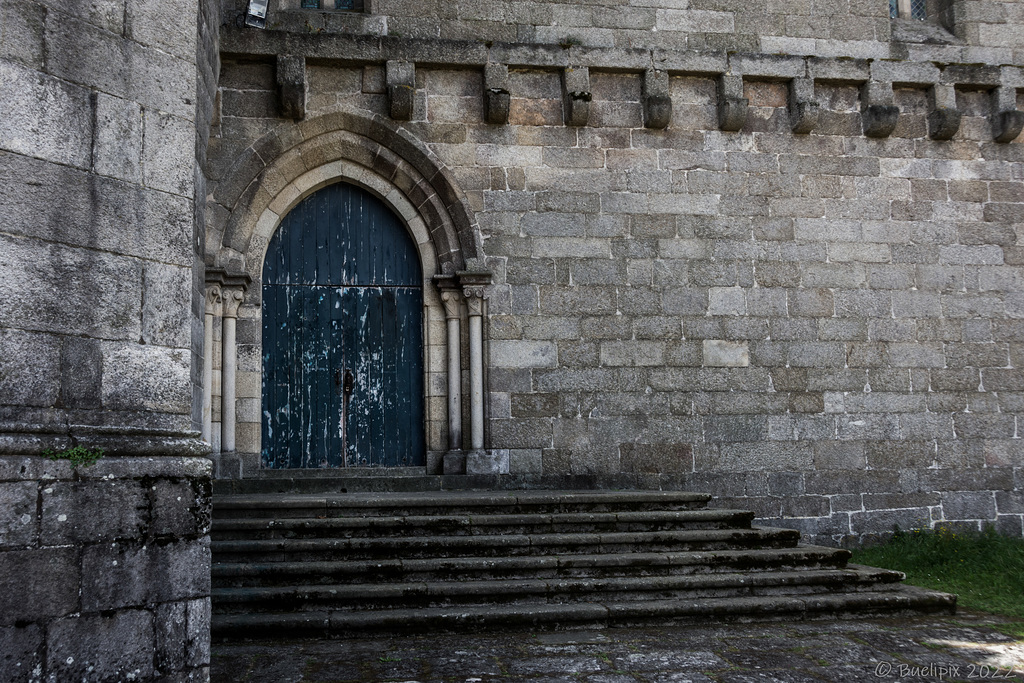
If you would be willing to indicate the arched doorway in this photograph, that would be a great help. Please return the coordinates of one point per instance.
(342, 336)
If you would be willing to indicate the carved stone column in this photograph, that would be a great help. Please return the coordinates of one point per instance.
(213, 308)
(474, 296)
(454, 461)
(452, 303)
(478, 460)
(232, 299)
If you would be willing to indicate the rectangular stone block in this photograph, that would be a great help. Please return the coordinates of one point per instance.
(126, 575)
(632, 353)
(157, 24)
(166, 313)
(37, 585)
(105, 290)
(146, 378)
(805, 506)
(168, 153)
(180, 508)
(523, 354)
(76, 512)
(726, 354)
(786, 483)
(21, 33)
(968, 505)
(525, 461)
(656, 458)
(735, 428)
(881, 523)
(530, 433)
(834, 455)
(63, 135)
(115, 647)
(117, 145)
(29, 366)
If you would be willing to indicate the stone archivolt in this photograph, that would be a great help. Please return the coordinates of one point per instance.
(278, 170)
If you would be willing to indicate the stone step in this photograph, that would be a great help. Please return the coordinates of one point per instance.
(312, 549)
(451, 503)
(601, 565)
(541, 591)
(331, 564)
(481, 524)
(460, 618)
(415, 479)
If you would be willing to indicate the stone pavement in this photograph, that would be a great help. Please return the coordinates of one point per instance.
(961, 648)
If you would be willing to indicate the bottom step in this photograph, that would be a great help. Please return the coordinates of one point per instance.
(339, 624)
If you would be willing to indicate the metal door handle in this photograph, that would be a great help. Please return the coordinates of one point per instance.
(349, 383)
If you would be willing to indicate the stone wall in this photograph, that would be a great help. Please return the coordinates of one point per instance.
(97, 159)
(105, 570)
(985, 30)
(820, 326)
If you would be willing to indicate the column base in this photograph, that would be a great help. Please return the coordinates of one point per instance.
(454, 462)
(476, 462)
(487, 462)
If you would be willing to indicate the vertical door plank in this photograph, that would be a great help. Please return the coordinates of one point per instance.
(392, 390)
(373, 341)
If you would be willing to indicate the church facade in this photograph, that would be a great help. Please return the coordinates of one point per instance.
(769, 251)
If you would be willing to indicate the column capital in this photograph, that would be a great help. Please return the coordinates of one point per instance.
(214, 299)
(474, 283)
(232, 298)
(474, 299)
(451, 298)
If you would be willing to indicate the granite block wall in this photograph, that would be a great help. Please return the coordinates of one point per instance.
(820, 326)
(980, 30)
(105, 570)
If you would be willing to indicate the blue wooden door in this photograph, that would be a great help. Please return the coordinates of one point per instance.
(342, 336)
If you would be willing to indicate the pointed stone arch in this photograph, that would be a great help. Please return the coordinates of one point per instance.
(271, 177)
(282, 167)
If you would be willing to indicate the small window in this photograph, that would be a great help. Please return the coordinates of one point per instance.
(908, 9)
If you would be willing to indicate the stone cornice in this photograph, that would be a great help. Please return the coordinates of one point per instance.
(21, 438)
(225, 280)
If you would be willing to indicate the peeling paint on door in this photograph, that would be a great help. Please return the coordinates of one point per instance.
(342, 336)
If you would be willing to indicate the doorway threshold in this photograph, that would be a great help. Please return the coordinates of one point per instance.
(340, 472)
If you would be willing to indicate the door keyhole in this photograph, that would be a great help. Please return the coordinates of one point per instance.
(348, 384)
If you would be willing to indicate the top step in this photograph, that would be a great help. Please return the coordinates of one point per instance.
(415, 479)
(471, 502)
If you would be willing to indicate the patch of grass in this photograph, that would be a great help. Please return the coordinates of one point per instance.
(78, 455)
(985, 569)
(1015, 629)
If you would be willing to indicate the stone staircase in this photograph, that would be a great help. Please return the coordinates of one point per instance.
(345, 564)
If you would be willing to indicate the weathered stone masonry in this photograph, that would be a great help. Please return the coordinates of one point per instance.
(815, 316)
(770, 250)
(106, 109)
